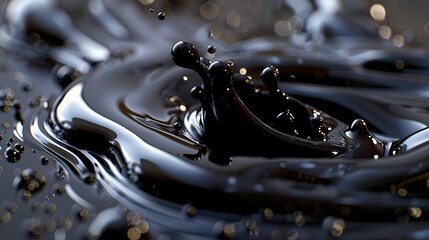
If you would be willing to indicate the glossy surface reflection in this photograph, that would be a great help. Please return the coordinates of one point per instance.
(194, 120)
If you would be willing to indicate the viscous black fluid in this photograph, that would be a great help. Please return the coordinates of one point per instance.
(189, 120)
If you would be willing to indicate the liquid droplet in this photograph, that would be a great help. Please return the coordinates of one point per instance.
(12, 155)
(19, 147)
(211, 49)
(161, 16)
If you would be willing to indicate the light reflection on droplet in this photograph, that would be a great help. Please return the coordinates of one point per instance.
(415, 212)
(172, 99)
(338, 227)
(229, 230)
(398, 40)
(133, 233)
(400, 64)
(385, 32)
(146, 2)
(215, 33)
(183, 108)
(233, 19)
(268, 214)
(402, 192)
(142, 226)
(209, 11)
(299, 218)
(283, 28)
(243, 71)
(378, 12)
(5, 217)
(292, 235)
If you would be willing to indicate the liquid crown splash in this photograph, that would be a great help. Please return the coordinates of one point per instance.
(284, 127)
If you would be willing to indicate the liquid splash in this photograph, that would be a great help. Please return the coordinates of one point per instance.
(143, 147)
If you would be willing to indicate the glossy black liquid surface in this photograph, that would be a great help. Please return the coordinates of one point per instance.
(117, 125)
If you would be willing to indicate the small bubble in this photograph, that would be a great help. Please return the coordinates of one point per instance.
(161, 16)
(6, 125)
(152, 10)
(211, 49)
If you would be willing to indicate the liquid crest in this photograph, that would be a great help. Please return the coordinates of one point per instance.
(263, 134)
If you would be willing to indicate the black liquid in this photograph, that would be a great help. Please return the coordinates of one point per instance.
(140, 136)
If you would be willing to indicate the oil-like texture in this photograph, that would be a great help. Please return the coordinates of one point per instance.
(192, 120)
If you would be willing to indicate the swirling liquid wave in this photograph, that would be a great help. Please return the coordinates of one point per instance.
(126, 122)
